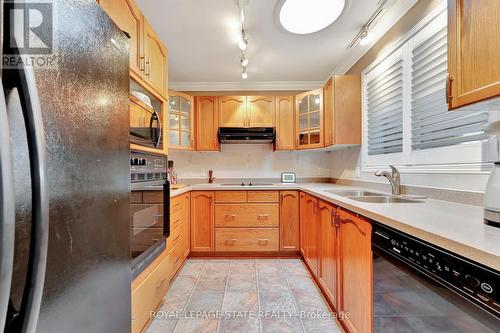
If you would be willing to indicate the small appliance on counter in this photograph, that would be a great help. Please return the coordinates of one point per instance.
(492, 192)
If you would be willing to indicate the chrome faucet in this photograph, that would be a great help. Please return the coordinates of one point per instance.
(394, 179)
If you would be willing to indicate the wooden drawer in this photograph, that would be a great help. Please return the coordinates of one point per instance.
(263, 196)
(148, 295)
(247, 215)
(176, 219)
(174, 238)
(176, 259)
(176, 203)
(230, 196)
(245, 239)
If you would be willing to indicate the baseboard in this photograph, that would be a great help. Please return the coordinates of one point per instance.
(245, 255)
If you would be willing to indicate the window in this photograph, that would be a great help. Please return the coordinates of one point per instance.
(406, 121)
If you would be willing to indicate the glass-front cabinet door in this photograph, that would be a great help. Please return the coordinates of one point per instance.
(310, 119)
(181, 121)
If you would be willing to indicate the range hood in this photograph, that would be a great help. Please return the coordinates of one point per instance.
(247, 135)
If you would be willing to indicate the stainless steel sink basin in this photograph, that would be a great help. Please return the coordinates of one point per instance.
(360, 193)
(384, 199)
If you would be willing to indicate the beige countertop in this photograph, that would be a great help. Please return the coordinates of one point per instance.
(456, 227)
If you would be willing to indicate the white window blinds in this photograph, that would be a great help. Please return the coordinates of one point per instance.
(432, 124)
(384, 103)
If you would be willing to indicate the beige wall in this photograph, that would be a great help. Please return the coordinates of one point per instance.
(410, 19)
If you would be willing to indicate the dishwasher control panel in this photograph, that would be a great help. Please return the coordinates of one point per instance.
(470, 279)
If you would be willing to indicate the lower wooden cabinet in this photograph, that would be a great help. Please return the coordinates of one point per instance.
(246, 239)
(329, 251)
(202, 221)
(247, 215)
(355, 272)
(289, 221)
(310, 231)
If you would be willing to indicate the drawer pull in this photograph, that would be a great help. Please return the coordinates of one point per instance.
(177, 260)
(230, 216)
(176, 221)
(230, 241)
(160, 285)
(262, 241)
(176, 238)
(263, 217)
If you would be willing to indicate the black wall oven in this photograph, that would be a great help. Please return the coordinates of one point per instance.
(419, 287)
(149, 209)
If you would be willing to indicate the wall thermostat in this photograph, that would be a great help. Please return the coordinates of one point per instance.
(288, 177)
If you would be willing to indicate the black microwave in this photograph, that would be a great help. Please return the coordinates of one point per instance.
(146, 130)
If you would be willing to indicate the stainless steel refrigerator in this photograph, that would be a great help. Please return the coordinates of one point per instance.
(64, 171)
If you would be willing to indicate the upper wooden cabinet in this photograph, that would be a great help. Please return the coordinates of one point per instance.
(246, 111)
(233, 111)
(289, 220)
(128, 17)
(473, 51)
(207, 123)
(148, 55)
(356, 271)
(181, 121)
(342, 102)
(309, 119)
(202, 221)
(285, 123)
(260, 111)
(155, 54)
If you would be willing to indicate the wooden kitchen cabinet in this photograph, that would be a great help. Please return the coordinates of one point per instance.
(289, 220)
(181, 121)
(202, 221)
(260, 111)
(207, 123)
(128, 18)
(356, 287)
(309, 230)
(309, 119)
(186, 226)
(285, 123)
(233, 111)
(473, 51)
(342, 110)
(329, 251)
(155, 65)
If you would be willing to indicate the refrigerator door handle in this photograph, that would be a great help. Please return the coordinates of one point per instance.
(23, 80)
(7, 210)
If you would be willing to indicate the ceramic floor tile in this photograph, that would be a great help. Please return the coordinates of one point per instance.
(320, 325)
(216, 268)
(197, 325)
(281, 325)
(269, 268)
(184, 283)
(205, 301)
(192, 267)
(244, 267)
(301, 283)
(211, 283)
(294, 268)
(272, 283)
(279, 302)
(310, 302)
(175, 300)
(237, 282)
(239, 325)
(241, 301)
(161, 325)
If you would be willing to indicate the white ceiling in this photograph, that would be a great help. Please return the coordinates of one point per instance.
(202, 36)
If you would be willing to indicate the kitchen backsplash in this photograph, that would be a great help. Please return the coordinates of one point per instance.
(249, 161)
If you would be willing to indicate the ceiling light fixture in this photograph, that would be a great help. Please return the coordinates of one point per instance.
(244, 74)
(364, 37)
(305, 17)
(244, 60)
(243, 42)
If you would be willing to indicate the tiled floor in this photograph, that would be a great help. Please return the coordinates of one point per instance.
(244, 295)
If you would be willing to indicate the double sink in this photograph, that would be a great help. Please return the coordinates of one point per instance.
(373, 197)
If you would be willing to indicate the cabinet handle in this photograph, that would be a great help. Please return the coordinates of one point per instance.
(263, 217)
(262, 241)
(449, 78)
(230, 241)
(160, 285)
(346, 221)
(147, 69)
(230, 216)
(177, 260)
(176, 238)
(141, 65)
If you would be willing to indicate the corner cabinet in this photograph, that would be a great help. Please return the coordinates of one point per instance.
(473, 51)
(202, 221)
(309, 119)
(207, 123)
(181, 121)
(355, 271)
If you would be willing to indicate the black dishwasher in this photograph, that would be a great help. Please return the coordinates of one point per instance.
(419, 287)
